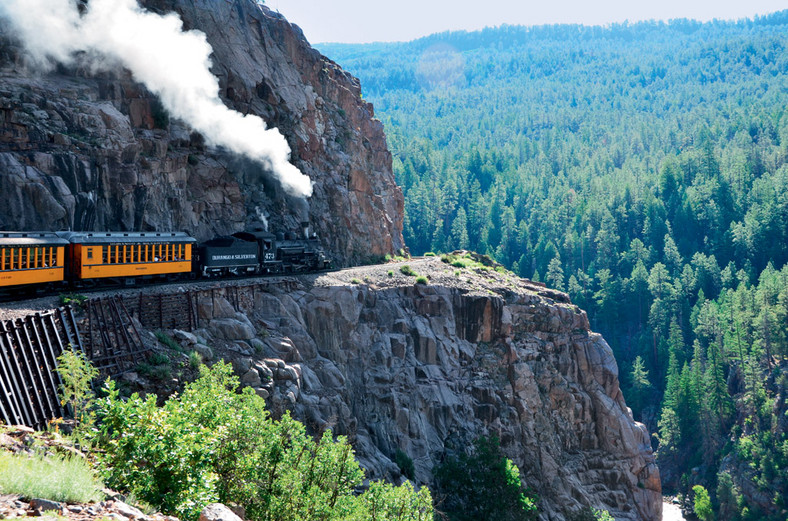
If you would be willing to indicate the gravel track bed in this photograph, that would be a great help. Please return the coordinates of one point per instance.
(377, 276)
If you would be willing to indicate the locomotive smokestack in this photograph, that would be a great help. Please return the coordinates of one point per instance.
(305, 227)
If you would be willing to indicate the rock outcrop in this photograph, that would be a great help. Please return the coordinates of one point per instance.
(97, 151)
(427, 368)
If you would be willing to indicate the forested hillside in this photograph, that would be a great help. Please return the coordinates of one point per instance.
(642, 168)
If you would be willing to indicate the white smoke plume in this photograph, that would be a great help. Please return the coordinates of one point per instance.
(172, 63)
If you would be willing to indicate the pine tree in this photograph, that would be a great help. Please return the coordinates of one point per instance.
(555, 273)
(640, 385)
(459, 231)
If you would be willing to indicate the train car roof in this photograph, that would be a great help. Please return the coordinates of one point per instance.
(125, 237)
(31, 239)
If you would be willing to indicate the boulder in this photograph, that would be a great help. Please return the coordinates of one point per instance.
(218, 512)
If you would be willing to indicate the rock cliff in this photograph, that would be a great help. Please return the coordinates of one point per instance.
(93, 151)
(427, 368)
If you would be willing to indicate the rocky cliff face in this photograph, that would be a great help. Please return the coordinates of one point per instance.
(428, 368)
(97, 151)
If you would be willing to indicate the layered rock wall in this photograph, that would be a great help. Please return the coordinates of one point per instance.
(428, 368)
(89, 151)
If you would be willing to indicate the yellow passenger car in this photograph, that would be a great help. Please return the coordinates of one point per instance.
(31, 258)
(102, 255)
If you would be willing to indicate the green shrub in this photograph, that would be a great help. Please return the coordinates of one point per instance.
(429, 254)
(421, 280)
(405, 464)
(407, 270)
(355, 281)
(73, 299)
(384, 501)
(212, 444)
(161, 117)
(55, 478)
(702, 503)
(459, 261)
(390, 273)
(483, 485)
(76, 374)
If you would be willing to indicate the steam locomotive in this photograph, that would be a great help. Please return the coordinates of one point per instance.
(33, 260)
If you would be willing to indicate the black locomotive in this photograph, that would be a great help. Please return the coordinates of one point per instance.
(36, 260)
(261, 252)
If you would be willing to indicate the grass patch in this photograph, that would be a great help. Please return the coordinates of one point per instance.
(421, 280)
(168, 341)
(157, 358)
(160, 373)
(355, 281)
(390, 273)
(460, 261)
(429, 254)
(195, 360)
(57, 478)
(471, 260)
(157, 367)
(407, 270)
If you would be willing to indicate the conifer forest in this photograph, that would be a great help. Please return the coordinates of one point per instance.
(643, 169)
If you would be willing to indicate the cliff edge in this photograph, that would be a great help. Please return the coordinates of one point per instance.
(427, 368)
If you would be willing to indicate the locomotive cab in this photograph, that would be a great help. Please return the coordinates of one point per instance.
(265, 244)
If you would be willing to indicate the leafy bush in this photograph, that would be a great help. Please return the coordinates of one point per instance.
(55, 478)
(483, 485)
(421, 280)
(702, 503)
(213, 444)
(76, 374)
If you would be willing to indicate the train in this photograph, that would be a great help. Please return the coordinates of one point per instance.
(66, 259)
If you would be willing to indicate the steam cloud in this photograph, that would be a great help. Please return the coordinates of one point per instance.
(173, 64)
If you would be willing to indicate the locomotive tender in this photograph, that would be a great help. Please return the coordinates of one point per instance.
(33, 260)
